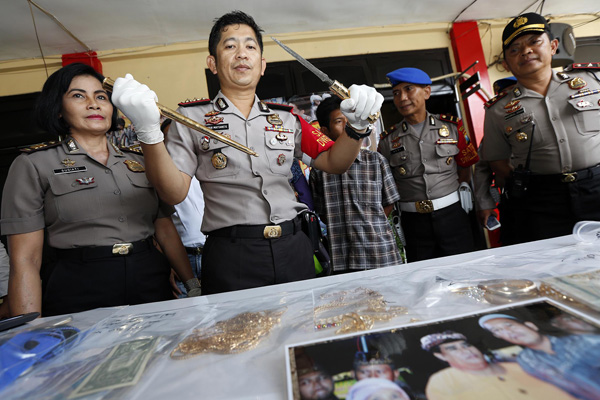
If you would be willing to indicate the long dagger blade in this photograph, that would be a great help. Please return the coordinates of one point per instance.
(336, 87)
(320, 74)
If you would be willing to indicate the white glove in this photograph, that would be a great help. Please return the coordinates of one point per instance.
(466, 196)
(364, 101)
(138, 103)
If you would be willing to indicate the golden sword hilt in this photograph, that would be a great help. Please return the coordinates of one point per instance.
(343, 93)
(108, 84)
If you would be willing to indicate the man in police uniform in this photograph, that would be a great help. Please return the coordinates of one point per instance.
(430, 157)
(542, 137)
(254, 235)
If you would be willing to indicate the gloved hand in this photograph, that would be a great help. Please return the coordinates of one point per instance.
(192, 286)
(364, 100)
(138, 103)
(466, 197)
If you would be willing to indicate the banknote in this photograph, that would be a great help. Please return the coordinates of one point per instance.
(123, 367)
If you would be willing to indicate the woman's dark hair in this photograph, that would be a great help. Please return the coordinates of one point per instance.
(49, 104)
(233, 18)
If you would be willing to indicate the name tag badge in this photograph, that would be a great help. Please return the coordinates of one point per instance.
(71, 170)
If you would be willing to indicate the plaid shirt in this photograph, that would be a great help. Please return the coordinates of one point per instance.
(351, 204)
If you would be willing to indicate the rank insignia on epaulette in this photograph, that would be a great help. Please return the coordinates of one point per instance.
(222, 104)
(40, 146)
(134, 166)
(591, 65)
(495, 99)
(449, 118)
(194, 102)
(136, 148)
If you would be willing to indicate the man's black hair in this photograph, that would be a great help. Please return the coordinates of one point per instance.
(49, 104)
(233, 18)
(325, 109)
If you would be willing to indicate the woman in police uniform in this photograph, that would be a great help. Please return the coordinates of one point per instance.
(94, 204)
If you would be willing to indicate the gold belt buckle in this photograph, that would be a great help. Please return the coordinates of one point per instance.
(272, 232)
(122, 249)
(424, 206)
(570, 177)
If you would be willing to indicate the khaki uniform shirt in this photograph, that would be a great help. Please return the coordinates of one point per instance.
(81, 201)
(567, 123)
(240, 189)
(423, 164)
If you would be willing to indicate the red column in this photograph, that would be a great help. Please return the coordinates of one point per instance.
(466, 44)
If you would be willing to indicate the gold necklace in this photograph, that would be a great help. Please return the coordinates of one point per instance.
(240, 333)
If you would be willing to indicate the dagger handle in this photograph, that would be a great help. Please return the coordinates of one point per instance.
(343, 93)
(108, 84)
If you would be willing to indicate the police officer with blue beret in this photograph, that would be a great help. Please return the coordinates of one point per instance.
(542, 137)
(430, 157)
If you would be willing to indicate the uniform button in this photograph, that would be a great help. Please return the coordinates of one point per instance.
(265, 192)
(420, 141)
(117, 191)
(562, 140)
(121, 219)
(107, 171)
(424, 174)
(429, 191)
(248, 123)
(424, 160)
(566, 169)
(553, 118)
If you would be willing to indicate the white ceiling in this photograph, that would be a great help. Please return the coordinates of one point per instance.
(117, 24)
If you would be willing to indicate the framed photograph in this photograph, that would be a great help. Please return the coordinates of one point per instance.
(537, 349)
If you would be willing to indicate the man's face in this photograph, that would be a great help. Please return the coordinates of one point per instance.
(238, 62)
(383, 371)
(315, 386)
(337, 124)
(462, 355)
(529, 54)
(409, 98)
(515, 332)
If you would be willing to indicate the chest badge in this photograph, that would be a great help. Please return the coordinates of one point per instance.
(88, 180)
(281, 159)
(281, 137)
(508, 129)
(449, 160)
(67, 162)
(213, 120)
(205, 143)
(212, 113)
(584, 104)
(274, 119)
(521, 137)
(134, 166)
(577, 83)
(511, 104)
(402, 171)
(444, 131)
(219, 160)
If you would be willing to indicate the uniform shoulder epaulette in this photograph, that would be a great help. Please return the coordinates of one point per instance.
(277, 106)
(40, 146)
(136, 148)
(576, 66)
(495, 99)
(385, 134)
(450, 118)
(194, 102)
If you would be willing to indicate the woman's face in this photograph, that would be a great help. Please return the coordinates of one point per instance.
(86, 107)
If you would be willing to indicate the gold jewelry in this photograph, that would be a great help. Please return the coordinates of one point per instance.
(240, 333)
(364, 307)
(500, 291)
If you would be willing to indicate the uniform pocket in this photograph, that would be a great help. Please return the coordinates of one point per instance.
(219, 160)
(279, 152)
(587, 114)
(75, 200)
(446, 153)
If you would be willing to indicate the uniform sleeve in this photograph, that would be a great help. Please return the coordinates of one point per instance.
(389, 192)
(495, 146)
(314, 142)
(22, 199)
(467, 155)
(180, 145)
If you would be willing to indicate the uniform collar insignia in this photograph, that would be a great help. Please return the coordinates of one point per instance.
(72, 146)
(431, 120)
(222, 104)
(517, 92)
(562, 76)
(263, 107)
(404, 126)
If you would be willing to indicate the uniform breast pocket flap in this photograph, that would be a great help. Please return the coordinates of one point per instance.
(446, 150)
(587, 114)
(139, 180)
(75, 198)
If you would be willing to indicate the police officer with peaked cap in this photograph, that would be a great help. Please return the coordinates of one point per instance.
(429, 156)
(542, 137)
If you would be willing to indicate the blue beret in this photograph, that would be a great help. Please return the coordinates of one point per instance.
(503, 83)
(408, 75)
